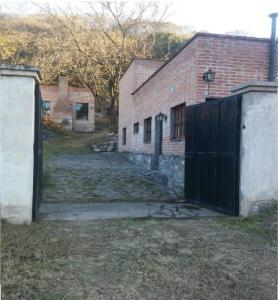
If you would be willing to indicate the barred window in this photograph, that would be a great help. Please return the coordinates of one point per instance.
(148, 130)
(124, 136)
(136, 128)
(177, 122)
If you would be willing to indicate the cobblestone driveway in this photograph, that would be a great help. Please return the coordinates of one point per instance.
(100, 177)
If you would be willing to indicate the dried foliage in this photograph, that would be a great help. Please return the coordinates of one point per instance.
(92, 48)
(50, 123)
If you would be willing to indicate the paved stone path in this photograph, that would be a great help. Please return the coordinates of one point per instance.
(107, 186)
(101, 177)
(102, 211)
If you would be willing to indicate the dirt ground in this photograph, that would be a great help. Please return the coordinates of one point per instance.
(221, 258)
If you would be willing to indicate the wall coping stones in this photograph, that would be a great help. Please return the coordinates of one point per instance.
(20, 70)
(256, 86)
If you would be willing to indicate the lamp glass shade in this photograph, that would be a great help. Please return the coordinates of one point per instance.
(160, 117)
(209, 75)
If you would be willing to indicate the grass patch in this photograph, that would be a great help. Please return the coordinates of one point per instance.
(135, 259)
(47, 179)
(54, 297)
(60, 141)
(263, 224)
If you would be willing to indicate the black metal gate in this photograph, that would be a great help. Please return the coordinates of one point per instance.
(212, 154)
(38, 143)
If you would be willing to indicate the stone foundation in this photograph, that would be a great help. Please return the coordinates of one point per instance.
(171, 167)
(143, 159)
(83, 126)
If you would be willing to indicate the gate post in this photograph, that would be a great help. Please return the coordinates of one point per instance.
(258, 146)
(17, 123)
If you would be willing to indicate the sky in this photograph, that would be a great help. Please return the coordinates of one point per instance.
(216, 16)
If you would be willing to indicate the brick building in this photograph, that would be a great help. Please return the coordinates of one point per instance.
(72, 106)
(149, 88)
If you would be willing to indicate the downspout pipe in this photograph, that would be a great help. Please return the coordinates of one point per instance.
(272, 49)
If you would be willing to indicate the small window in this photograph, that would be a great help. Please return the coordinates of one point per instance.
(81, 111)
(136, 128)
(148, 130)
(124, 136)
(177, 122)
(46, 107)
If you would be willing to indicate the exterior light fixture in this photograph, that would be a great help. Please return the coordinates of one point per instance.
(161, 117)
(209, 77)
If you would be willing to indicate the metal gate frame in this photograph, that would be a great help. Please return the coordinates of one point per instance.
(38, 154)
(237, 98)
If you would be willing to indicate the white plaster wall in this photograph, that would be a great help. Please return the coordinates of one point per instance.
(16, 149)
(259, 151)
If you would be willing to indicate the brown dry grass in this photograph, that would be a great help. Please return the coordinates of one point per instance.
(59, 141)
(138, 259)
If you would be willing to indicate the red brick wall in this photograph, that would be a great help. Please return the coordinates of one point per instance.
(138, 71)
(235, 60)
(63, 98)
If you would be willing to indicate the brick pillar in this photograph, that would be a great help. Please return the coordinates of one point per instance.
(63, 107)
(63, 88)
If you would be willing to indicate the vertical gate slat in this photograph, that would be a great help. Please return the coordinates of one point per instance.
(38, 140)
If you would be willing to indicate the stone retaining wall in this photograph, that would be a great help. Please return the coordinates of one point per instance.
(171, 166)
(143, 159)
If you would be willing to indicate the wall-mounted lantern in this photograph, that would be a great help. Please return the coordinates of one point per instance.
(209, 77)
(161, 117)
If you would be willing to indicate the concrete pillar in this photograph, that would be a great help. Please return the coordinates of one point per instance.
(17, 99)
(258, 185)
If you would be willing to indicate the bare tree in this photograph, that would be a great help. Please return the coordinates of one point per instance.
(103, 40)
(92, 46)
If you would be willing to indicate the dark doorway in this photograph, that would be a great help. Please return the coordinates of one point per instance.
(158, 140)
(38, 146)
(212, 154)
